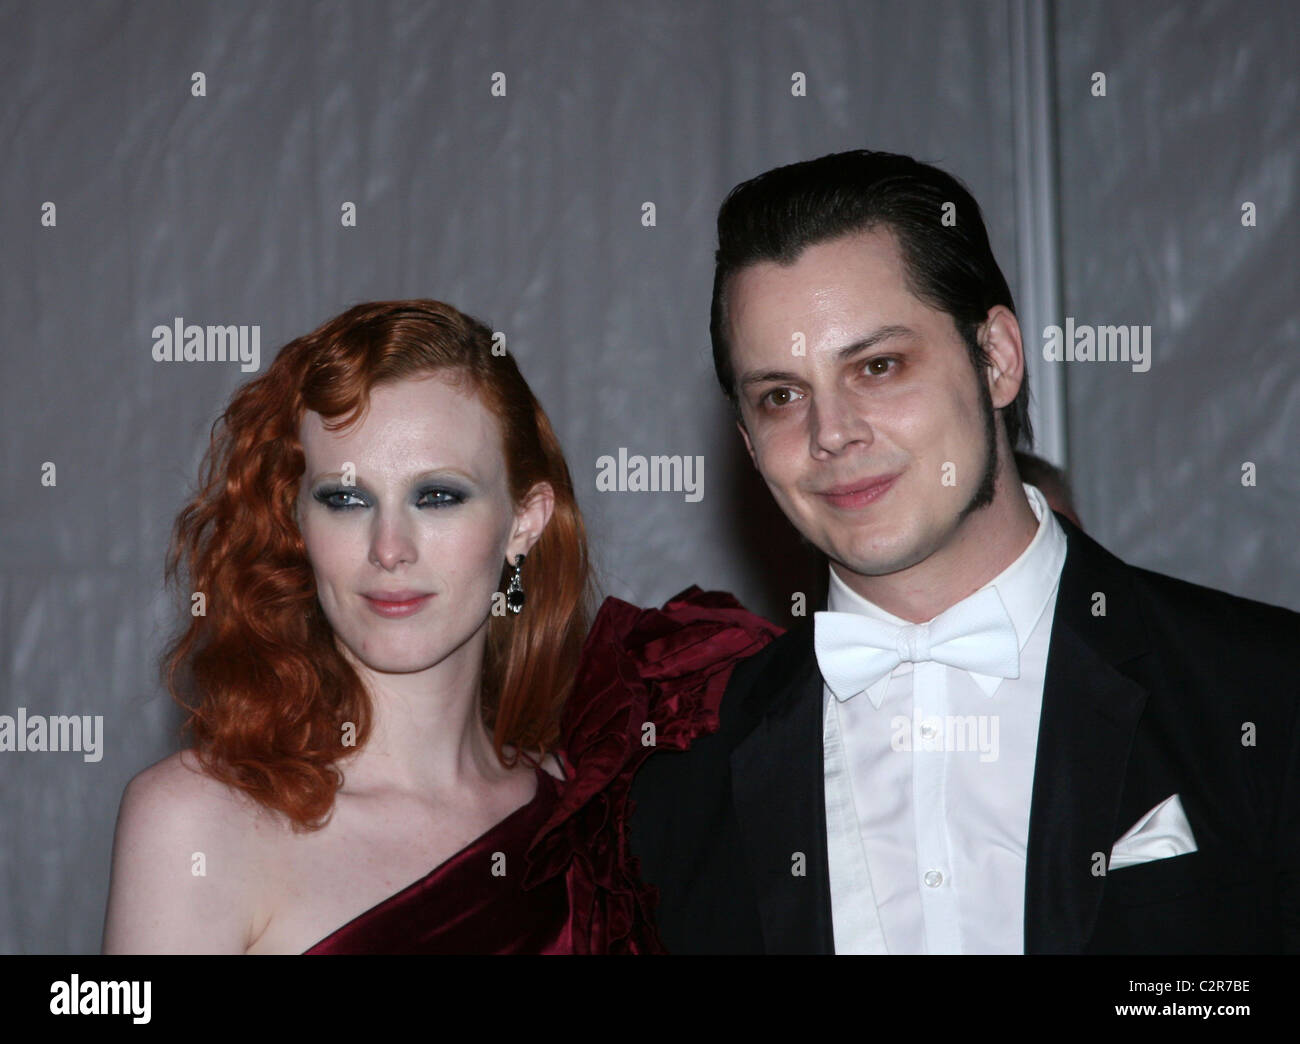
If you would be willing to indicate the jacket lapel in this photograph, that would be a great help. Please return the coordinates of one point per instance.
(777, 789)
(1089, 717)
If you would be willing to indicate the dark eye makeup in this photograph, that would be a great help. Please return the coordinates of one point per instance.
(338, 497)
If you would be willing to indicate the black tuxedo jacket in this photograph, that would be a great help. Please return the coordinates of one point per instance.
(1177, 689)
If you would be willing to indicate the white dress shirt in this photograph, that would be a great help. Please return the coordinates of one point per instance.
(928, 778)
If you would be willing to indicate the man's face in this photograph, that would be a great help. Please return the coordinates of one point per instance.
(859, 404)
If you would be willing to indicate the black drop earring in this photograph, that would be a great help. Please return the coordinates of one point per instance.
(515, 592)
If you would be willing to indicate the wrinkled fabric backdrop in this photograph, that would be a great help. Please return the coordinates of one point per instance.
(526, 210)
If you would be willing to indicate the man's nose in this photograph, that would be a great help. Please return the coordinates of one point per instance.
(836, 420)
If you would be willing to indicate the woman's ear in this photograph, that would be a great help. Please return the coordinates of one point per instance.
(531, 519)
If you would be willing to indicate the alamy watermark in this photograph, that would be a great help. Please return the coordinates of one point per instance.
(131, 997)
(654, 474)
(1084, 343)
(946, 732)
(53, 733)
(180, 342)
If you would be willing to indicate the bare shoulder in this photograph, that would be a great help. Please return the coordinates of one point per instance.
(176, 800)
(176, 788)
(186, 860)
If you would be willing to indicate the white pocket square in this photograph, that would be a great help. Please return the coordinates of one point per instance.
(1161, 833)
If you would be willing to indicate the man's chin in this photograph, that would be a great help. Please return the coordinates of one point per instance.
(870, 567)
(878, 561)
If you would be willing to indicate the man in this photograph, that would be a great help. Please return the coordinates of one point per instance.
(999, 738)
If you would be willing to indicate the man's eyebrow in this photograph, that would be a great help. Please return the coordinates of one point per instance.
(764, 376)
(872, 339)
(884, 333)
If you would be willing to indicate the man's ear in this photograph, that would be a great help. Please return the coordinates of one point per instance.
(531, 519)
(1000, 336)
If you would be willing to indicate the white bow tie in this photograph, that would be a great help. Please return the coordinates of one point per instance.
(855, 651)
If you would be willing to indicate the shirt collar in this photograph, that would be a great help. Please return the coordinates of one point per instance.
(1025, 586)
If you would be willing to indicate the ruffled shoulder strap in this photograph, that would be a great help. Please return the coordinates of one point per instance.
(649, 679)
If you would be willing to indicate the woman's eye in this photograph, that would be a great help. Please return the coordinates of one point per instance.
(339, 499)
(347, 499)
(440, 498)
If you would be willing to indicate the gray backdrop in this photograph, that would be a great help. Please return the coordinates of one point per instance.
(526, 211)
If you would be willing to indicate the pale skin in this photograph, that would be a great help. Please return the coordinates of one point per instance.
(906, 404)
(430, 513)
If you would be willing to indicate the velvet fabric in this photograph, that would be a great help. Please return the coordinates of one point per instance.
(460, 907)
(649, 680)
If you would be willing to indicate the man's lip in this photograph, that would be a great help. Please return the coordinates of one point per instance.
(849, 489)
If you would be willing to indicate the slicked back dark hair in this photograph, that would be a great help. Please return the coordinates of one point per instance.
(776, 215)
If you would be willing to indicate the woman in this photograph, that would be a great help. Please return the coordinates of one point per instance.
(388, 584)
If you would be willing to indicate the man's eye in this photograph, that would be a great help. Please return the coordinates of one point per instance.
(883, 359)
(778, 397)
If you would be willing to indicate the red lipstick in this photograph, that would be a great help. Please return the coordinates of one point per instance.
(394, 604)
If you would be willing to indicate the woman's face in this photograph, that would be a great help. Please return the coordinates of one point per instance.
(408, 521)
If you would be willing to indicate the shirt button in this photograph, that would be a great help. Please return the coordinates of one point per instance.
(933, 879)
(928, 730)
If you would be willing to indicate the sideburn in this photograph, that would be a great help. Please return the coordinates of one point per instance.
(983, 495)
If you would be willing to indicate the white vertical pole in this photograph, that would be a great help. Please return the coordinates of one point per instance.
(1038, 244)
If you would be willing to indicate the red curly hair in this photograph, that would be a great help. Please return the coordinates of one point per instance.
(266, 687)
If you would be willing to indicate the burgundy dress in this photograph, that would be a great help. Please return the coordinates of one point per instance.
(461, 906)
(578, 890)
